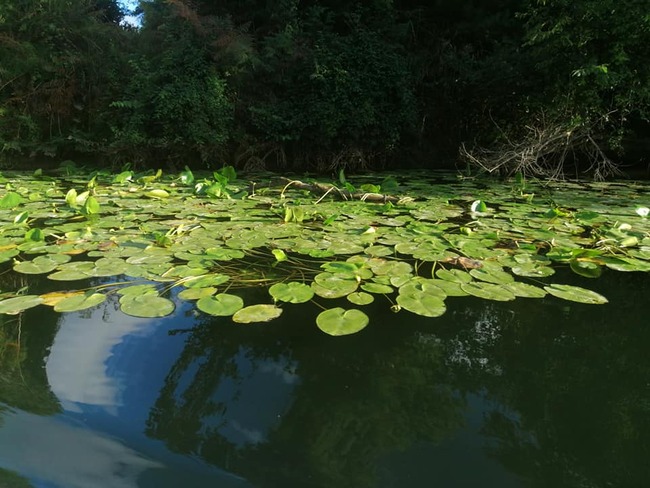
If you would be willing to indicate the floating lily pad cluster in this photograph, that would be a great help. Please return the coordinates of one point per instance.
(153, 240)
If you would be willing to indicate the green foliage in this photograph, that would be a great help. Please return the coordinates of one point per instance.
(58, 59)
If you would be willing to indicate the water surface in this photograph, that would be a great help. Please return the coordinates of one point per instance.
(530, 393)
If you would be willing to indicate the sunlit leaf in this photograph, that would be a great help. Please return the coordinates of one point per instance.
(576, 294)
(147, 306)
(13, 306)
(79, 302)
(257, 313)
(338, 321)
(221, 305)
(292, 292)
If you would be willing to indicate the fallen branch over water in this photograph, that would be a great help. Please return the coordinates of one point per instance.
(325, 189)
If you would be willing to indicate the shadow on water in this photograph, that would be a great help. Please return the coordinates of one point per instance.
(531, 393)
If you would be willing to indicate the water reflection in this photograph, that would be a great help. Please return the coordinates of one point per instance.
(78, 363)
(49, 451)
(530, 393)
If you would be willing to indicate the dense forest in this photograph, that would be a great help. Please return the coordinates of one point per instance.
(508, 85)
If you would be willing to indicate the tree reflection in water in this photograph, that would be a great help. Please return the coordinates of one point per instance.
(345, 402)
(572, 382)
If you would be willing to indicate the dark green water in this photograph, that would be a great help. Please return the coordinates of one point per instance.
(530, 393)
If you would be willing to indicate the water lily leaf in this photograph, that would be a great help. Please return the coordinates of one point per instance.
(36, 235)
(496, 276)
(533, 270)
(377, 288)
(360, 298)
(489, 291)
(450, 288)
(52, 298)
(379, 250)
(196, 293)
(525, 290)
(11, 200)
(391, 268)
(576, 294)
(342, 267)
(422, 285)
(587, 269)
(8, 254)
(79, 302)
(157, 193)
(625, 264)
(13, 306)
(148, 258)
(90, 206)
(291, 292)
(41, 264)
(257, 313)
(337, 283)
(422, 303)
(147, 305)
(221, 305)
(21, 218)
(454, 275)
(224, 253)
(338, 321)
(137, 290)
(215, 279)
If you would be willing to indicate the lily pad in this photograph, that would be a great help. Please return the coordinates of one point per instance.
(79, 302)
(221, 305)
(422, 303)
(454, 275)
(292, 292)
(360, 298)
(496, 276)
(489, 291)
(587, 269)
(147, 306)
(257, 313)
(196, 293)
(13, 306)
(576, 294)
(377, 288)
(525, 290)
(338, 321)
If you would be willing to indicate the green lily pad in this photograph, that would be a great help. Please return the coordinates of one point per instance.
(377, 288)
(147, 306)
(422, 303)
(587, 269)
(454, 275)
(291, 292)
(532, 270)
(422, 285)
(338, 321)
(41, 264)
(79, 302)
(196, 293)
(206, 281)
(496, 276)
(8, 254)
(489, 291)
(450, 288)
(221, 305)
(336, 283)
(525, 290)
(360, 298)
(256, 313)
(138, 290)
(13, 306)
(576, 294)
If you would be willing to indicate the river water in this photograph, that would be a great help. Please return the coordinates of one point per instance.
(530, 393)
